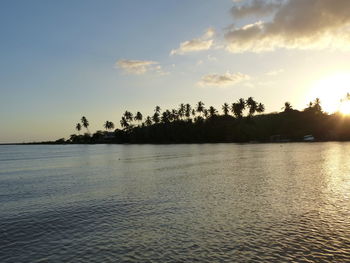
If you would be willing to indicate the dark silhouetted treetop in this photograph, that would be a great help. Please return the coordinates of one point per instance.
(78, 127)
(226, 109)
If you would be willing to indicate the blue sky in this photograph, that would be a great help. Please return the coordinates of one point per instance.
(61, 60)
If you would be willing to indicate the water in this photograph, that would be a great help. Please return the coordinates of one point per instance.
(175, 203)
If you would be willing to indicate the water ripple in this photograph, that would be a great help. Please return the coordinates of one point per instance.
(218, 207)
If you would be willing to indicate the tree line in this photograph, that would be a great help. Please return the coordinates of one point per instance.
(184, 112)
(241, 121)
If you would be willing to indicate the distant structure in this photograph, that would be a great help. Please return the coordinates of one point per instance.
(309, 138)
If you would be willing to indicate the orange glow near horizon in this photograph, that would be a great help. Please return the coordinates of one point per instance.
(331, 90)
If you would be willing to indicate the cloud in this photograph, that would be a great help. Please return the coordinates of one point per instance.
(227, 79)
(297, 24)
(139, 66)
(275, 72)
(205, 42)
(255, 8)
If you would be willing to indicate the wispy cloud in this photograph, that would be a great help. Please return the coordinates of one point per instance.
(222, 80)
(275, 72)
(139, 67)
(299, 24)
(255, 8)
(204, 42)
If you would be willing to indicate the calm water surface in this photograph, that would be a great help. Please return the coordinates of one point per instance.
(175, 203)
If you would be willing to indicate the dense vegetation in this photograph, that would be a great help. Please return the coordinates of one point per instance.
(199, 124)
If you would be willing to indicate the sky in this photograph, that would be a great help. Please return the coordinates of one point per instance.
(61, 60)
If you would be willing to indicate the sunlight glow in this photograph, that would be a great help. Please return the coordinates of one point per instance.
(345, 107)
(330, 90)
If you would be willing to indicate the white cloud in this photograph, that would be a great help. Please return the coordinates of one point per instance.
(275, 72)
(298, 24)
(139, 66)
(205, 42)
(227, 79)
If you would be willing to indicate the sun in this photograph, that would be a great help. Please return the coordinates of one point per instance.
(331, 90)
(344, 107)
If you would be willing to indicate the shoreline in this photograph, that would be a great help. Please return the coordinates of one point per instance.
(171, 143)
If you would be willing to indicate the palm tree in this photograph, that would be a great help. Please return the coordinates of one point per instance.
(124, 123)
(235, 108)
(128, 116)
(85, 123)
(78, 127)
(188, 111)
(174, 115)
(242, 103)
(148, 121)
(252, 105)
(212, 111)
(166, 115)
(138, 117)
(260, 108)
(155, 117)
(225, 109)
(181, 110)
(200, 107)
(109, 125)
(287, 107)
(238, 108)
(157, 109)
(317, 105)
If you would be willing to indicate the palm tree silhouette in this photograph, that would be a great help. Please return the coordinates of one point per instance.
(138, 117)
(287, 107)
(200, 107)
(212, 111)
(225, 109)
(166, 115)
(238, 108)
(174, 115)
(317, 105)
(78, 127)
(155, 117)
(109, 125)
(157, 109)
(148, 121)
(242, 104)
(252, 105)
(124, 123)
(260, 108)
(188, 111)
(128, 116)
(85, 123)
(181, 110)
